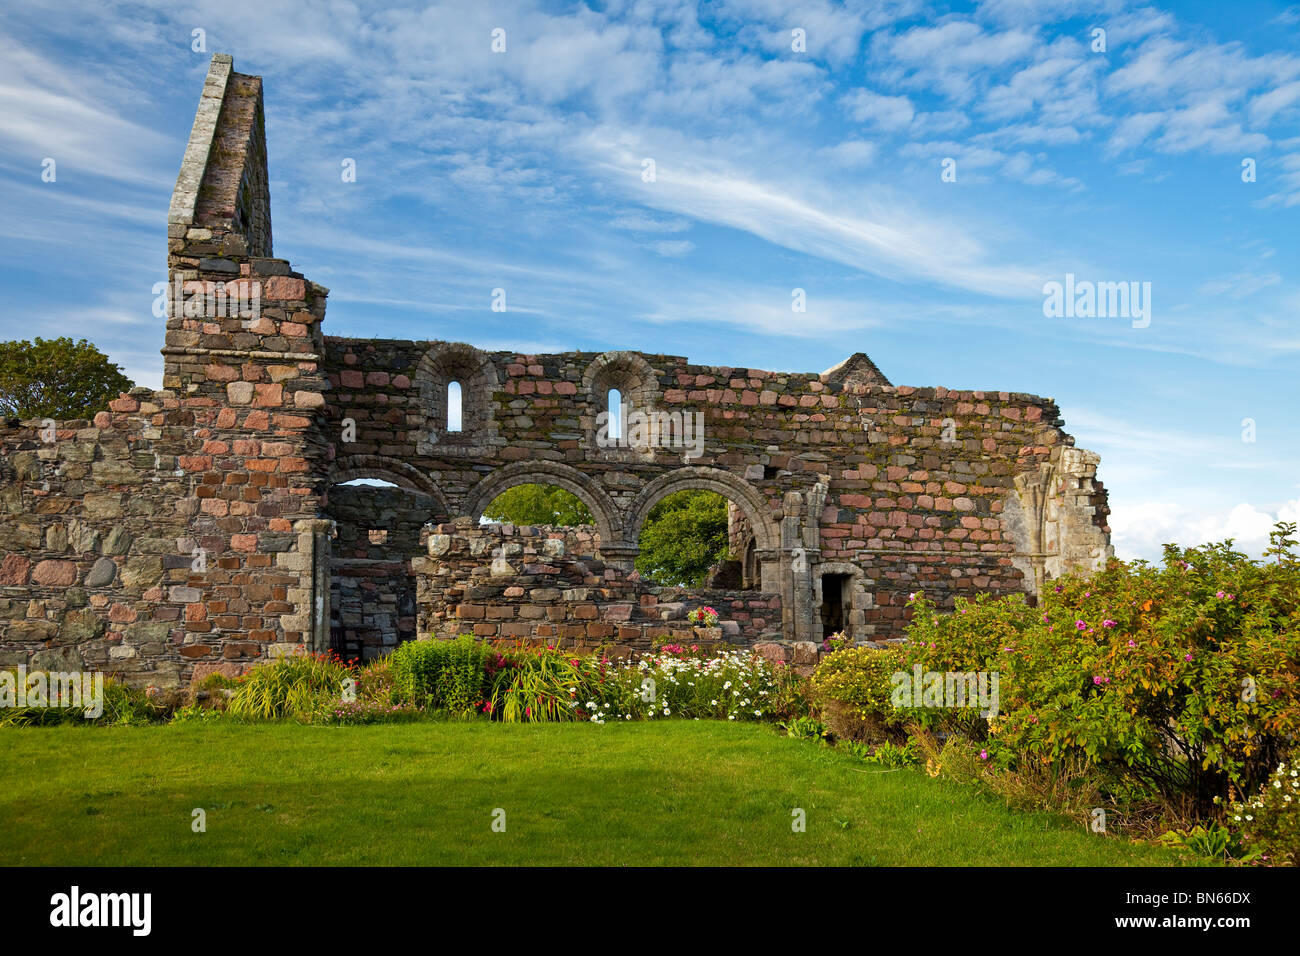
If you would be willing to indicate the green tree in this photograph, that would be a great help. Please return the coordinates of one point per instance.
(538, 504)
(684, 535)
(57, 378)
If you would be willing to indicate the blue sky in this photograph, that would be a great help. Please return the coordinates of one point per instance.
(774, 170)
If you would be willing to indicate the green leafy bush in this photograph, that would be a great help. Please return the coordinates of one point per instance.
(805, 728)
(1177, 684)
(896, 757)
(446, 675)
(123, 706)
(1183, 679)
(851, 689)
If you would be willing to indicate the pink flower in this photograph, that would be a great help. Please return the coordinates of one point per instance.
(1131, 644)
(1107, 623)
(1219, 594)
(1080, 625)
(984, 755)
(1187, 657)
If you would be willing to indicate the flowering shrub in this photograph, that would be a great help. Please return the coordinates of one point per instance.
(537, 683)
(852, 690)
(1184, 679)
(1171, 684)
(1269, 823)
(735, 685)
(703, 617)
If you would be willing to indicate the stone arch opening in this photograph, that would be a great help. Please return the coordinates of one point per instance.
(748, 502)
(445, 364)
(604, 513)
(397, 472)
(631, 377)
(684, 543)
(745, 497)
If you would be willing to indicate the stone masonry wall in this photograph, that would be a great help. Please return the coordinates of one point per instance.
(902, 487)
(531, 583)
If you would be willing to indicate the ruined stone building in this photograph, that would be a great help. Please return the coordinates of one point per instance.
(216, 522)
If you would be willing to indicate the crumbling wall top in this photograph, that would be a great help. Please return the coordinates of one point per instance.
(223, 185)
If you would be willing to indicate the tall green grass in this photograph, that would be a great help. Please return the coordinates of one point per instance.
(295, 685)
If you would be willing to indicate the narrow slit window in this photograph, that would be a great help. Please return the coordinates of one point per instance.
(614, 407)
(453, 407)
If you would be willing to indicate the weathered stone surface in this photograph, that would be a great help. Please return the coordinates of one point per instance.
(14, 570)
(54, 574)
(58, 659)
(101, 573)
(80, 625)
(141, 571)
(806, 652)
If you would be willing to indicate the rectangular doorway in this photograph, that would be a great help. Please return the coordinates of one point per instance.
(835, 602)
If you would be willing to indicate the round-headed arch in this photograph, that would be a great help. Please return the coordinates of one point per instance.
(442, 364)
(554, 473)
(398, 472)
(767, 534)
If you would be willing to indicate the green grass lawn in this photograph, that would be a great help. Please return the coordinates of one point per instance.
(679, 792)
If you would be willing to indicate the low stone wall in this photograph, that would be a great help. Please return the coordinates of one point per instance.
(528, 583)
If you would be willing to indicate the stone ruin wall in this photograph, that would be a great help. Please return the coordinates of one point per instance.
(881, 495)
(208, 525)
(516, 582)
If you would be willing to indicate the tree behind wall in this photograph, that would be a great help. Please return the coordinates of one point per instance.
(684, 535)
(57, 378)
(538, 504)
